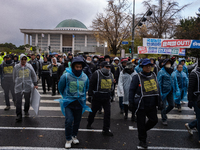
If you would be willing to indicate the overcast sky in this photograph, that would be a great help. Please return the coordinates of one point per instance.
(47, 14)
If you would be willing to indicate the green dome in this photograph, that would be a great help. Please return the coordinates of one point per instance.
(71, 23)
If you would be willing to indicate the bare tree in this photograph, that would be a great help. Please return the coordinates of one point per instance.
(114, 26)
(164, 19)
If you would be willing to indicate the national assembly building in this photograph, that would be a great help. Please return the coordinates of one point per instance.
(69, 35)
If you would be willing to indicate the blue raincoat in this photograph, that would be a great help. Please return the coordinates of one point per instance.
(180, 85)
(138, 69)
(73, 88)
(184, 66)
(165, 83)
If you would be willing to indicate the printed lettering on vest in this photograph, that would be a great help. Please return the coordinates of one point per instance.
(24, 73)
(8, 70)
(150, 85)
(106, 84)
(73, 86)
(44, 67)
(55, 68)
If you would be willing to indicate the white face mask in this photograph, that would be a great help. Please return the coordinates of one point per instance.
(168, 65)
(88, 61)
(95, 59)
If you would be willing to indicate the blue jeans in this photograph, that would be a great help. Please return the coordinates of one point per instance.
(196, 123)
(72, 122)
(121, 106)
(170, 100)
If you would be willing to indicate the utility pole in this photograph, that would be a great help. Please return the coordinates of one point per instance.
(133, 28)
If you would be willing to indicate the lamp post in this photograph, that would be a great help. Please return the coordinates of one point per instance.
(133, 28)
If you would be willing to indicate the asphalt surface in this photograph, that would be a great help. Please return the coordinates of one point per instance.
(46, 131)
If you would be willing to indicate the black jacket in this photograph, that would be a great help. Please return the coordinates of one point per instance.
(92, 67)
(61, 69)
(146, 102)
(193, 86)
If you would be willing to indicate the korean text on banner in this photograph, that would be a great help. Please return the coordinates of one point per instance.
(142, 50)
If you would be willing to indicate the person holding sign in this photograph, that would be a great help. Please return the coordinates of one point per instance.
(24, 77)
(144, 96)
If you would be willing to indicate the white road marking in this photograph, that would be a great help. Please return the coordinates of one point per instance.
(168, 148)
(45, 129)
(41, 148)
(167, 130)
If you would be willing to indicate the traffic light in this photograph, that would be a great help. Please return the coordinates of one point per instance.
(49, 48)
(130, 49)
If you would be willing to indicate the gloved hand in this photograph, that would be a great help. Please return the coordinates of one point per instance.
(90, 99)
(190, 104)
(130, 107)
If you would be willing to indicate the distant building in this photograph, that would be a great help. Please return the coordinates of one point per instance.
(69, 36)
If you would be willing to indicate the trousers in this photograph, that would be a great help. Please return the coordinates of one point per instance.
(47, 79)
(8, 86)
(19, 102)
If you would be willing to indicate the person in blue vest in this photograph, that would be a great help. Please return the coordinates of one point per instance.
(180, 86)
(166, 89)
(144, 97)
(182, 62)
(73, 86)
(138, 68)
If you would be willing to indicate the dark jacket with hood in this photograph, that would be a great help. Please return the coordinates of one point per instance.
(61, 69)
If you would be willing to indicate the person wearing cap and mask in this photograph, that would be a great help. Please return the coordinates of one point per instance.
(100, 90)
(45, 73)
(24, 77)
(96, 61)
(154, 68)
(90, 64)
(34, 63)
(180, 86)
(166, 89)
(53, 67)
(73, 86)
(123, 87)
(193, 99)
(144, 97)
(7, 80)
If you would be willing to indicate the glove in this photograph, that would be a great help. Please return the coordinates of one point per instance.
(190, 104)
(131, 107)
(90, 99)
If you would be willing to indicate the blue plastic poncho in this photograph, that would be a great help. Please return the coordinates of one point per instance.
(138, 69)
(165, 82)
(184, 66)
(180, 85)
(73, 88)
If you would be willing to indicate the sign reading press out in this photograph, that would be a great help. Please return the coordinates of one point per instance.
(171, 43)
(160, 50)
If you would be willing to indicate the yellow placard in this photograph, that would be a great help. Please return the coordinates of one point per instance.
(150, 85)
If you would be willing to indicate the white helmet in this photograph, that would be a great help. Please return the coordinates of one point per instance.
(116, 58)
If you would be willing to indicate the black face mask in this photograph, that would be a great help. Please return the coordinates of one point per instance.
(77, 73)
(8, 61)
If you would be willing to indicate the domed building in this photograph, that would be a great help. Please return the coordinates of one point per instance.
(70, 35)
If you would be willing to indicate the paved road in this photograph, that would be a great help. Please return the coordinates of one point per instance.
(46, 131)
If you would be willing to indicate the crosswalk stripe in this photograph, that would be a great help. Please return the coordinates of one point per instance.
(168, 148)
(42, 148)
(167, 130)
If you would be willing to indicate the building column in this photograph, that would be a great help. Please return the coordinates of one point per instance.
(85, 40)
(61, 41)
(73, 40)
(24, 38)
(98, 44)
(36, 39)
(48, 43)
(29, 39)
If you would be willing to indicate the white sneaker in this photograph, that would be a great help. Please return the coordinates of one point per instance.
(75, 140)
(188, 128)
(68, 144)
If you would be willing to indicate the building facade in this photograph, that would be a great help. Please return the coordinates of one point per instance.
(69, 36)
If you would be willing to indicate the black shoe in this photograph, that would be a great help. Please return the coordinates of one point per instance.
(125, 117)
(143, 144)
(7, 108)
(48, 89)
(100, 112)
(134, 119)
(89, 127)
(107, 133)
(19, 118)
(122, 111)
(26, 114)
(44, 92)
(53, 94)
